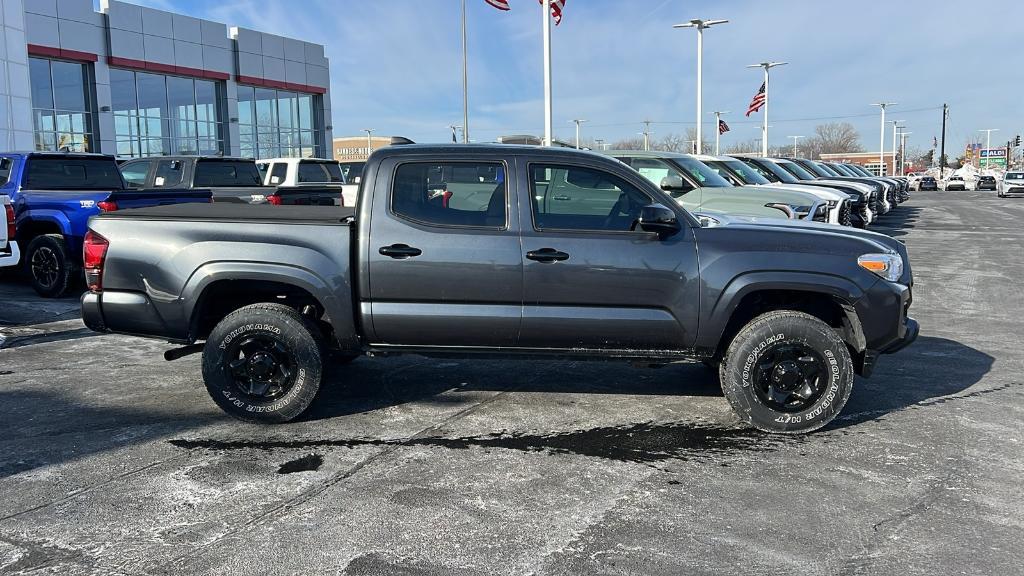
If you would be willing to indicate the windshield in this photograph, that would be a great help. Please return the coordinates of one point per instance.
(226, 173)
(352, 170)
(73, 173)
(822, 169)
(704, 175)
(797, 170)
(844, 170)
(1014, 175)
(320, 172)
(745, 173)
(771, 168)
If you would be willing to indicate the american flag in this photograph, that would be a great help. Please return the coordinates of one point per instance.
(499, 4)
(556, 10)
(722, 127)
(757, 101)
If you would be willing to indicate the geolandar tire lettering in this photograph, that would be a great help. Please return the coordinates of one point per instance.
(787, 372)
(293, 343)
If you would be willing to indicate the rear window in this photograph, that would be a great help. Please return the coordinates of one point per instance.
(69, 173)
(320, 172)
(226, 173)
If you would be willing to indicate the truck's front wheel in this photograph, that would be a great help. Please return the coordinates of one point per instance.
(263, 363)
(787, 372)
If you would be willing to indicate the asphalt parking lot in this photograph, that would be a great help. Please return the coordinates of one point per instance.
(113, 461)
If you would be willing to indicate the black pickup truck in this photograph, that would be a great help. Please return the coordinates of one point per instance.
(230, 180)
(478, 250)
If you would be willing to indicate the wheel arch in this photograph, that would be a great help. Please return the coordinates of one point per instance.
(217, 289)
(825, 296)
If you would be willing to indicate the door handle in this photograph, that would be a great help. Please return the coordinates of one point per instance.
(561, 197)
(400, 251)
(547, 255)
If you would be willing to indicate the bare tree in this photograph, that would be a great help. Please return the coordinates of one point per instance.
(744, 147)
(629, 144)
(832, 138)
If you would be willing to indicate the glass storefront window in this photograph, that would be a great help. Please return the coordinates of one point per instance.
(155, 114)
(276, 123)
(61, 110)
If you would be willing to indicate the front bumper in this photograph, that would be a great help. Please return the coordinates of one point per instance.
(10, 256)
(885, 322)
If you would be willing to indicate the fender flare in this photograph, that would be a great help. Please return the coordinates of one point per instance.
(339, 312)
(48, 216)
(843, 291)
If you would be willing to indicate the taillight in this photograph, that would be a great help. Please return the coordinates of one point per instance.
(107, 206)
(274, 199)
(10, 221)
(94, 252)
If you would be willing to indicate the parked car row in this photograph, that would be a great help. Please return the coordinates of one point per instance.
(523, 251)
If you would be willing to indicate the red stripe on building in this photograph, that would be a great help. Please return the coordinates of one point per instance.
(264, 83)
(166, 68)
(51, 52)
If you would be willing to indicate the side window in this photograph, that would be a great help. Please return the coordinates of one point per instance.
(451, 194)
(169, 173)
(572, 198)
(662, 174)
(278, 172)
(5, 170)
(319, 172)
(135, 173)
(263, 167)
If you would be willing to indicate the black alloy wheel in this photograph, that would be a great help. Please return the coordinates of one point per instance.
(262, 368)
(790, 378)
(45, 266)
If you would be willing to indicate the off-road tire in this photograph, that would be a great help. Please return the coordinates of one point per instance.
(48, 265)
(755, 345)
(271, 323)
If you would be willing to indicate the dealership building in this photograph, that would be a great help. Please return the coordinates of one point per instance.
(135, 81)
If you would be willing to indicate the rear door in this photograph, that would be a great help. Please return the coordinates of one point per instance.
(443, 255)
(589, 280)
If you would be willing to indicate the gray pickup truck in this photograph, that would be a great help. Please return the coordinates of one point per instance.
(482, 250)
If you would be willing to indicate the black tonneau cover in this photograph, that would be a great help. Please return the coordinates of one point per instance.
(239, 212)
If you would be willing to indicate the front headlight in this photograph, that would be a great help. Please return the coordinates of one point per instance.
(888, 266)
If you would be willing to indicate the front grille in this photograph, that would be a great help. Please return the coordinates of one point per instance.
(845, 218)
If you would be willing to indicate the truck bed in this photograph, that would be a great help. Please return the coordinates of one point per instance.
(240, 213)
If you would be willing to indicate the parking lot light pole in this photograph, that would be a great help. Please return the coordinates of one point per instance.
(903, 152)
(700, 25)
(764, 127)
(988, 142)
(369, 141)
(718, 130)
(578, 122)
(881, 137)
(795, 138)
(895, 127)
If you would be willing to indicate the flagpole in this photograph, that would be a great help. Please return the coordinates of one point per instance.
(546, 14)
(465, 79)
(764, 127)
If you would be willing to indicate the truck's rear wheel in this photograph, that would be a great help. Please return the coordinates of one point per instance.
(787, 372)
(48, 265)
(263, 363)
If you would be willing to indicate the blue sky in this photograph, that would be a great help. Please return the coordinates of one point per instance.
(396, 64)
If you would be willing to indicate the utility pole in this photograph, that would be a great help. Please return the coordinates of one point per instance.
(647, 134)
(718, 130)
(903, 152)
(600, 143)
(465, 79)
(578, 122)
(795, 138)
(881, 138)
(700, 25)
(942, 152)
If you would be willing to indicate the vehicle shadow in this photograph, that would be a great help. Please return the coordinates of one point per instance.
(897, 221)
(931, 371)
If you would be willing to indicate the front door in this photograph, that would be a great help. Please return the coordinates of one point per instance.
(445, 263)
(590, 282)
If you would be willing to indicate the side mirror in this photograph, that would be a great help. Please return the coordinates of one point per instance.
(658, 219)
